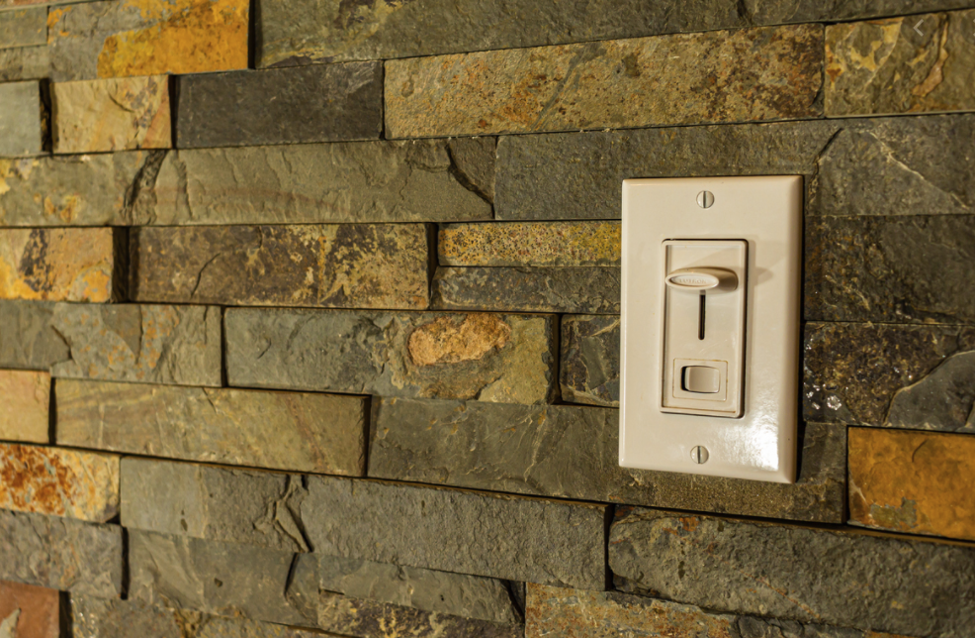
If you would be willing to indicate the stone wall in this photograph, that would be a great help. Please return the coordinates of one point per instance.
(309, 317)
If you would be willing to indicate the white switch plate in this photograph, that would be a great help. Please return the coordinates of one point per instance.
(766, 212)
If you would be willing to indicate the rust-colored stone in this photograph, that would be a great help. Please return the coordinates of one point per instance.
(445, 341)
(911, 481)
(28, 611)
(24, 403)
(59, 481)
(61, 264)
(531, 244)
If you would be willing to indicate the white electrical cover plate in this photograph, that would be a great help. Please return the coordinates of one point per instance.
(765, 213)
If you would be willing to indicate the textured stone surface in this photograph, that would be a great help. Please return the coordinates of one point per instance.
(140, 343)
(86, 190)
(292, 431)
(26, 63)
(27, 339)
(536, 290)
(22, 119)
(900, 65)
(23, 28)
(557, 543)
(491, 357)
(74, 265)
(531, 244)
(917, 588)
(590, 367)
(308, 183)
(888, 166)
(25, 398)
(111, 115)
(886, 375)
(333, 266)
(572, 451)
(281, 106)
(57, 481)
(856, 269)
(113, 39)
(332, 30)
(566, 612)
(618, 83)
(429, 590)
(33, 611)
(365, 618)
(223, 579)
(912, 482)
(60, 553)
(97, 617)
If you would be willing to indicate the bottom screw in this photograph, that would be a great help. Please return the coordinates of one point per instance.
(700, 455)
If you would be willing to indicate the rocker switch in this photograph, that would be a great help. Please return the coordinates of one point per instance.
(700, 379)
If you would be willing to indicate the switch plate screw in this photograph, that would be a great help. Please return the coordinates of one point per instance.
(700, 455)
(705, 199)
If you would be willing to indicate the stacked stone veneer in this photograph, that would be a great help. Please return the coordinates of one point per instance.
(309, 317)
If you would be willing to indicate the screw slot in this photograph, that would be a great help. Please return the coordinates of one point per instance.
(705, 199)
(700, 455)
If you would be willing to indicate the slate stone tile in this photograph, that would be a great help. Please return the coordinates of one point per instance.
(900, 65)
(25, 399)
(223, 579)
(912, 482)
(58, 481)
(111, 115)
(280, 106)
(23, 27)
(590, 367)
(61, 553)
(310, 432)
(140, 343)
(682, 79)
(25, 63)
(23, 119)
(29, 611)
(918, 588)
(333, 266)
(572, 452)
(311, 183)
(917, 377)
(112, 39)
(544, 244)
(533, 290)
(492, 357)
(922, 165)
(27, 339)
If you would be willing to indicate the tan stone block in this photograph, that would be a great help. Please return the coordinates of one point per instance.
(530, 244)
(674, 79)
(900, 65)
(62, 264)
(28, 611)
(59, 482)
(24, 404)
(23, 28)
(912, 481)
(111, 115)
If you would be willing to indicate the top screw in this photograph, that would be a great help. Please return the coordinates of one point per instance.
(705, 199)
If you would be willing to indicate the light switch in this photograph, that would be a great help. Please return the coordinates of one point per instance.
(710, 325)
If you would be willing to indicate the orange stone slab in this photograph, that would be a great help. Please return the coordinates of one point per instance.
(28, 611)
(59, 264)
(912, 481)
(24, 403)
(59, 481)
(111, 115)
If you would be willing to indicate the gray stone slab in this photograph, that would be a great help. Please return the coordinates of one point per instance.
(572, 452)
(534, 290)
(280, 106)
(916, 377)
(140, 343)
(24, 27)
(890, 584)
(434, 591)
(27, 339)
(492, 357)
(332, 30)
(429, 180)
(311, 432)
(64, 554)
(82, 190)
(27, 63)
(22, 119)
(517, 538)
(223, 579)
(887, 166)
(590, 367)
(890, 269)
